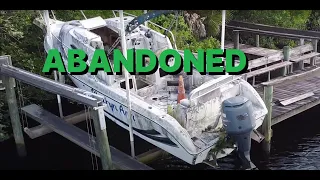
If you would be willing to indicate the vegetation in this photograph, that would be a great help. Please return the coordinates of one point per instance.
(24, 41)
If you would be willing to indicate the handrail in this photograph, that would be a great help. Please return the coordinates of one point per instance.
(265, 32)
(293, 78)
(274, 29)
(173, 38)
(212, 85)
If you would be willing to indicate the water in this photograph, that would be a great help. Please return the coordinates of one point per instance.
(295, 146)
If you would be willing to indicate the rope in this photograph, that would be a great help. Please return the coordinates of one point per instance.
(90, 141)
(94, 161)
(90, 124)
(24, 117)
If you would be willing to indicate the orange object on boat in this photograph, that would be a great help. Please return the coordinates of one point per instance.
(181, 90)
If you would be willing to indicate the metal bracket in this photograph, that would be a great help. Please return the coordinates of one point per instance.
(101, 117)
(257, 136)
(7, 61)
(99, 107)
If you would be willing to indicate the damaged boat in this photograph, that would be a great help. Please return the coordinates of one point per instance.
(190, 129)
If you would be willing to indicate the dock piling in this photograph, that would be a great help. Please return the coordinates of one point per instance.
(58, 96)
(301, 63)
(315, 49)
(236, 39)
(286, 55)
(257, 40)
(102, 137)
(266, 125)
(8, 83)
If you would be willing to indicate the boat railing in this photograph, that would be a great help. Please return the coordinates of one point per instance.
(173, 38)
(211, 85)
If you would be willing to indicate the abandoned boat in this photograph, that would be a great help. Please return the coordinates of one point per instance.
(188, 130)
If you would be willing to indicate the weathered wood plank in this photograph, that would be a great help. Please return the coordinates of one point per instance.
(285, 91)
(269, 68)
(297, 98)
(293, 78)
(271, 58)
(304, 57)
(258, 51)
(295, 111)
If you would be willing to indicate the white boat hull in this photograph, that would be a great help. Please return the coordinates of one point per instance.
(150, 121)
(116, 111)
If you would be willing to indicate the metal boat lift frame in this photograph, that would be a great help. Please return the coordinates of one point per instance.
(8, 74)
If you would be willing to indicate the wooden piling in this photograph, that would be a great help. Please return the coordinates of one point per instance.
(286, 55)
(62, 78)
(236, 39)
(266, 125)
(14, 115)
(9, 84)
(102, 137)
(315, 49)
(257, 40)
(301, 63)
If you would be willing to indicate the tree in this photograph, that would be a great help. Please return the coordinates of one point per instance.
(313, 23)
(183, 34)
(296, 19)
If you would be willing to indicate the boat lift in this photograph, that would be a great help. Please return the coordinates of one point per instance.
(111, 158)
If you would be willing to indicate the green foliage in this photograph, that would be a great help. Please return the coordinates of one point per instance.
(4, 123)
(314, 21)
(282, 18)
(23, 41)
(223, 143)
(67, 15)
(183, 34)
(296, 19)
(213, 19)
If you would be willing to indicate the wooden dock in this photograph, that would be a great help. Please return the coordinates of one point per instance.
(310, 87)
(296, 87)
(257, 51)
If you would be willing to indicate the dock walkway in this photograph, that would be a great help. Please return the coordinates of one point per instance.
(258, 51)
(310, 85)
